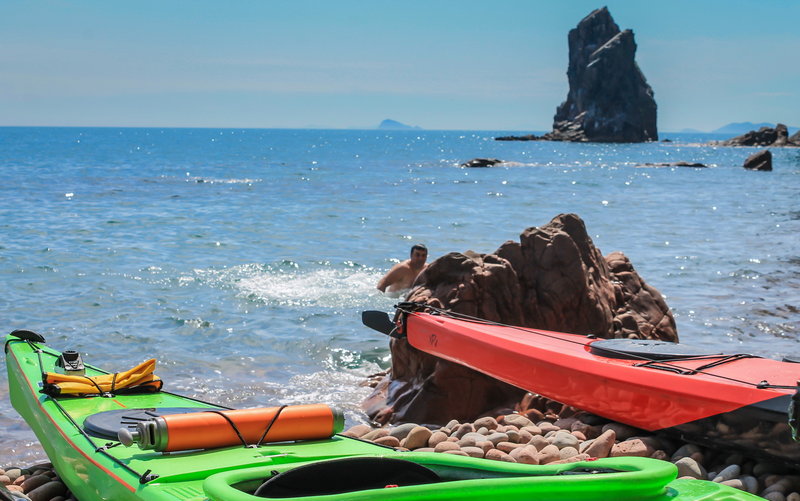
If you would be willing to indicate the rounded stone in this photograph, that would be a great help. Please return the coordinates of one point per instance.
(498, 455)
(388, 441)
(436, 438)
(31, 483)
(549, 454)
(452, 424)
(496, 438)
(358, 430)
(487, 422)
(475, 452)
(400, 432)
(463, 430)
(375, 434)
(564, 439)
(47, 491)
(539, 442)
(526, 454)
(688, 467)
(507, 447)
(456, 452)
(471, 439)
(728, 473)
(446, 446)
(517, 420)
(418, 437)
(13, 473)
(568, 452)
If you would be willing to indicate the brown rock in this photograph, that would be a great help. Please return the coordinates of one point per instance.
(464, 429)
(487, 422)
(5, 480)
(539, 442)
(573, 459)
(498, 455)
(388, 441)
(632, 447)
(35, 481)
(47, 491)
(358, 430)
(622, 431)
(761, 160)
(553, 278)
(526, 455)
(375, 434)
(418, 437)
(436, 438)
(508, 446)
(601, 446)
(475, 452)
(517, 420)
(456, 452)
(446, 446)
(549, 454)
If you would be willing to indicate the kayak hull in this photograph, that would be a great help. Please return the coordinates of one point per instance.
(721, 403)
(233, 473)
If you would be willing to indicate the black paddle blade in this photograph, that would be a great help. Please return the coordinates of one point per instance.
(27, 335)
(379, 321)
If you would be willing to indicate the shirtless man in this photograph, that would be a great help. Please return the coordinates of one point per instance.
(402, 275)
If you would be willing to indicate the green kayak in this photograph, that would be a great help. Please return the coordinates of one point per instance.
(133, 441)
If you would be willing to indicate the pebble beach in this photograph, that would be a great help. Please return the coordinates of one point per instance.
(541, 431)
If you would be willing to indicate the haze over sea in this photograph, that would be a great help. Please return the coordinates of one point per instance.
(241, 259)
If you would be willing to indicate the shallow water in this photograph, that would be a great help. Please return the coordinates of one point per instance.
(241, 259)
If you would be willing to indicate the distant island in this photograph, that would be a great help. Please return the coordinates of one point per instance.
(395, 125)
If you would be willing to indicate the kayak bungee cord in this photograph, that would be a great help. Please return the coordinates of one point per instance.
(410, 307)
(145, 477)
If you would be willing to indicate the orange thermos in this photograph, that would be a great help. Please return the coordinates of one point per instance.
(223, 428)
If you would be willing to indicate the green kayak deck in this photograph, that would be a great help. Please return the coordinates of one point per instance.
(102, 469)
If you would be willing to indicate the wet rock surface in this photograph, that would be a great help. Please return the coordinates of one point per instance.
(553, 278)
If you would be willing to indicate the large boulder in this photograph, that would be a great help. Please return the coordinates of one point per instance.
(760, 160)
(609, 99)
(553, 278)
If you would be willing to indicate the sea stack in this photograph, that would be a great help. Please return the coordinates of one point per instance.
(609, 99)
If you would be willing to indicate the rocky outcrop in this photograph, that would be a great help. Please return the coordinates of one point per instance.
(696, 165)
(761, 160)
(482, 162)
(765, 136)
(553, 278)
(609, 99)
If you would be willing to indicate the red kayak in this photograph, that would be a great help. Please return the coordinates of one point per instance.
(735, 400)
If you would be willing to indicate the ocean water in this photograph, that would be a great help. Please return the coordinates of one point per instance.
(241, 259)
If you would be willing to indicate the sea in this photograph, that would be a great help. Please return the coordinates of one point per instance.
(241, 258)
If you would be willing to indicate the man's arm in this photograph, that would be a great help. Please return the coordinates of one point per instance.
(390, 278)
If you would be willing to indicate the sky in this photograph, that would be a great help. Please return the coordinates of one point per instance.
(436, 64)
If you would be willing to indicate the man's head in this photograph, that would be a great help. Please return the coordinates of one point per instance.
(419, 253)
